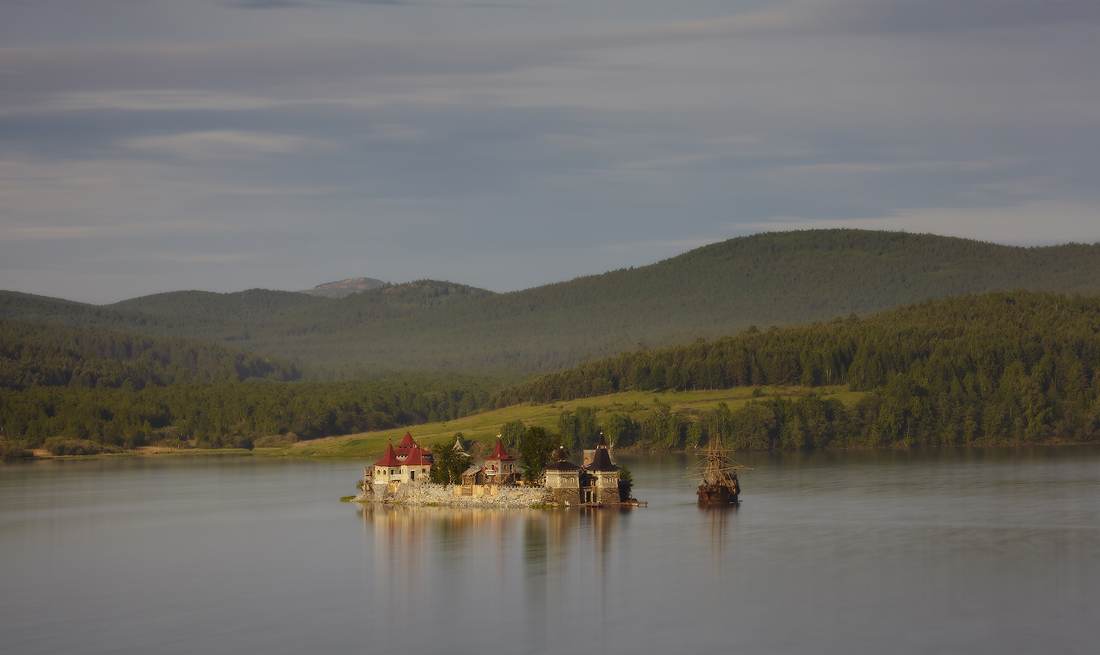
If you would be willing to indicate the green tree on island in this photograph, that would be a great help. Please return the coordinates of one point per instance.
(537, 451)
(448, 465)
(626, 482)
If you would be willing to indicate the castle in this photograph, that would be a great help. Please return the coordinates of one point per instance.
(407, 464)
(595, 482)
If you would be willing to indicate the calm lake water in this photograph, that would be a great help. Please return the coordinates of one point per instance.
(954, 551)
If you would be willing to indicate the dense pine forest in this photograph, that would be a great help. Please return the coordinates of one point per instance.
(998, 368)
(228, 414)
(80, 390)
(248, 319)
(1015, 361)
(33, 355)
(780, 279)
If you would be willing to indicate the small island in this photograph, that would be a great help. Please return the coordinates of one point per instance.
(403, 476)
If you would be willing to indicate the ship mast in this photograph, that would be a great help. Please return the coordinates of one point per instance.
(716, 467)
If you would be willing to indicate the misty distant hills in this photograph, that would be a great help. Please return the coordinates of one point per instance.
(344, 288)
(258, 319)
(46, 355)
(251, 305)
(768, 279)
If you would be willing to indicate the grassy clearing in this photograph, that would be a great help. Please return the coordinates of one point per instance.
(485, 426)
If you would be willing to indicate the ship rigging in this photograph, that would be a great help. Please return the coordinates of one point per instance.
(717, 474)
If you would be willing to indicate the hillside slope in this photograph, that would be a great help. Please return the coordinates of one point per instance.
(41, 355)
(998, 368)
(259, 320)
(1015, 367)
(243, 306)
(768, 279)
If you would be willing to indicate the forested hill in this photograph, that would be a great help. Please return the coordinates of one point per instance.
(769, 279)
(251, 305)
(998, 368)
(37, 355)
(971, 340)
(80, 390)
(1016, 367)
(236, 318)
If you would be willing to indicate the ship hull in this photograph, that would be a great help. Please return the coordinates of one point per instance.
(717, 494)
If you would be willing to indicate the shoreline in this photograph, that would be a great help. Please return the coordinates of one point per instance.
(430, 494)
(632, 451)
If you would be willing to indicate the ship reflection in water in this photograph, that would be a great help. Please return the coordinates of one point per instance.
(718, 518)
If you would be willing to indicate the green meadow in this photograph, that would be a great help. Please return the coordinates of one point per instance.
(485, 426)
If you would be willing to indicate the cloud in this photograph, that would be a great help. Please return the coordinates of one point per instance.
(276, 191)
(889, 17)
(858, 168)
(266, 4)
(912, 16)
(109, 200)
(226, 144)
(395, 132)
(449, 137)
(176, 257)
(222, 69)
(309, 70)
(105, 230)
(160, 100)
(37, 232)
(283, 4)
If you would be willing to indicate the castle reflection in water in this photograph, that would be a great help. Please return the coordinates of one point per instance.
(400, 532)
(502, 560)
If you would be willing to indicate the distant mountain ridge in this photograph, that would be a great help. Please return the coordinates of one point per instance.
(344, 288)
(250, 305)
(779, 278)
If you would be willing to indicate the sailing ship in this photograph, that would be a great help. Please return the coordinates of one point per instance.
(717, 473)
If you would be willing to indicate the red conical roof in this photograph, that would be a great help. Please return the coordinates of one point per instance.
(389, 459)
(500, 453)
(415, 459)
(407, 442)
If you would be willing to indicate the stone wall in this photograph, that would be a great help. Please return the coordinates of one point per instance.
(444, 496)
(607, 496)
(564, 496)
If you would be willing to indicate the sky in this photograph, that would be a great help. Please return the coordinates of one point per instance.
(159, 145)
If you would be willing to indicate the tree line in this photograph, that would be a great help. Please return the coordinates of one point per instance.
(1016, 367)
(231, 414)
(35, 355)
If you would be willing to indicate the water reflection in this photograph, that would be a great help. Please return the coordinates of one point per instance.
(719, 518)
(838, 552)
(403, 536)
(555, 564)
